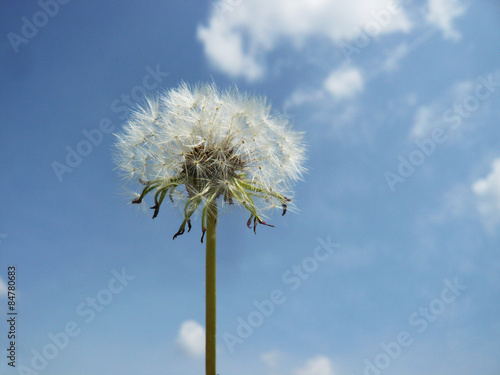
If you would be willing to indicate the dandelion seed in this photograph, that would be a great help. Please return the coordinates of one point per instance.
(221, 147)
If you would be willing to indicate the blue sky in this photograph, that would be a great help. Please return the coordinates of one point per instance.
(391, 266)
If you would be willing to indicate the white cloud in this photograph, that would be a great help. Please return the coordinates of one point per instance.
(301, 96)
(3, 288)
(236, 42)
(273, 361)
(430, 116)
(487, 191)
(224, 47)
(344, 83)
(442, 13)
(425, 119)
(316, 366)
(456, 203)
(392, 61)
(191, 339)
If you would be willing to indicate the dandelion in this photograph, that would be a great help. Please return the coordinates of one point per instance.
(206, 149)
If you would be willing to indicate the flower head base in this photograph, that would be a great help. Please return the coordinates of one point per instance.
(204, 147)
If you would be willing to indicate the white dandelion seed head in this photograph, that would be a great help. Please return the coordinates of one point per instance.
(199, 146)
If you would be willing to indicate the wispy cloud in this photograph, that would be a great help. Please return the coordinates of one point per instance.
(487, 191)
(434, 114)
(316, 366)
(238, 42)
(273, 361)
(278, 362)
(3, 288)
(392, 61)
(442, 13)
(344, 83)
(341, 84)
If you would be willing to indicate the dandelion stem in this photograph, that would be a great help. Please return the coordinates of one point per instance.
(211, 288)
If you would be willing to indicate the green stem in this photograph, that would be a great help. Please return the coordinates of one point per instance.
(211, 289)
